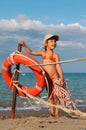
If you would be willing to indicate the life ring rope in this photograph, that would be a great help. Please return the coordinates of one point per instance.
(24, 59)
(5, 68)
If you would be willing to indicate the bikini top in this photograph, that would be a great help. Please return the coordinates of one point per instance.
(50, 58)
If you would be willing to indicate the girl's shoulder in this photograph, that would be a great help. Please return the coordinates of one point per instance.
(55, 54)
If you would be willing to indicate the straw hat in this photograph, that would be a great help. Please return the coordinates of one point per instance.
(50, 36)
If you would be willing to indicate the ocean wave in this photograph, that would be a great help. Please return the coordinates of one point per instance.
(78, 101)
(36, 108)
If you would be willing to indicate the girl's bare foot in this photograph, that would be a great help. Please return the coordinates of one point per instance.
(52, 115)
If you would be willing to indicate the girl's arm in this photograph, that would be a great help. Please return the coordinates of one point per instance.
(39, 53)
(59, 68)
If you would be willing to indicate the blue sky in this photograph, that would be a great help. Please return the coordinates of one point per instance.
(31, 20)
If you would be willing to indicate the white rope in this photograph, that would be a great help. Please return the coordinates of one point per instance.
(78, 112)
(29, 101)
(16, 70)
(47, 103)
(60, 62)
(12, 57)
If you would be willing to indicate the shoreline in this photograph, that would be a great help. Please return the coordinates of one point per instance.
(37, 120)
(37, 110)
(32, 112)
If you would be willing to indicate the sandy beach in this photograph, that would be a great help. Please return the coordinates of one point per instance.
(39, 120)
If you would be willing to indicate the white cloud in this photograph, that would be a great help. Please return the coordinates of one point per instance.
(8, 24)
(72, 36)
(21, 22)
(72, 44)
(33, 31)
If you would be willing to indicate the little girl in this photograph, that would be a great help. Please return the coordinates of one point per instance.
(54, 71)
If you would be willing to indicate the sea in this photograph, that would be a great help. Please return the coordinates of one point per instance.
(77, 87)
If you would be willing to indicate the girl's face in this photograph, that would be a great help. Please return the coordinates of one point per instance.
(51, 44)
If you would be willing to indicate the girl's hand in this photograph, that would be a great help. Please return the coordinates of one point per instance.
(61, 82)
(22, 42)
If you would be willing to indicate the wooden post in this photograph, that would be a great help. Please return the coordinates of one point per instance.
(15, 89)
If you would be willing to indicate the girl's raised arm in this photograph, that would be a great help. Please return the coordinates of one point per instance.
(36, 53)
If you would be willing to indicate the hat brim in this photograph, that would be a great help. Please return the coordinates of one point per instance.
(50, 36)
(56, 37)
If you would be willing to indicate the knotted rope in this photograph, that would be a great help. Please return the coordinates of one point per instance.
(69, 111)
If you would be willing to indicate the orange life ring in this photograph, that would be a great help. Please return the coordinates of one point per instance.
(25, 60)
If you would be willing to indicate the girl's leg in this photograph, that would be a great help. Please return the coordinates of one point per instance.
(57, 111)
(51, 101)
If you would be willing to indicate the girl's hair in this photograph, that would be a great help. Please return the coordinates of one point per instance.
(45, 45)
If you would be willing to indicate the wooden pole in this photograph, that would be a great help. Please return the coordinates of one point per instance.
(15, 89)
